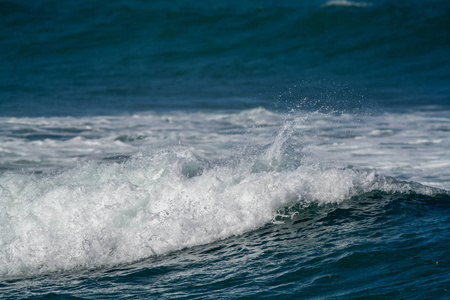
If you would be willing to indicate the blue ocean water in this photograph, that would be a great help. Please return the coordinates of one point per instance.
(232, 149)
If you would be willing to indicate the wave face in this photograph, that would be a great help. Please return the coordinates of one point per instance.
(229, 174)
(93, 216)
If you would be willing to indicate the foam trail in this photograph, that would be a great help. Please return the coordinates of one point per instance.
(410, 146)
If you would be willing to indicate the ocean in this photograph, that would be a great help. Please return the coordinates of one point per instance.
(224, 149)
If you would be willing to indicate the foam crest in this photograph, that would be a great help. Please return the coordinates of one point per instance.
(101, 215)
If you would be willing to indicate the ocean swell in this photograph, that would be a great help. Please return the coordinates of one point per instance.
(98, 215)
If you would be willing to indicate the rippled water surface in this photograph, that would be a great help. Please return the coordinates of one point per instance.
(224, 149)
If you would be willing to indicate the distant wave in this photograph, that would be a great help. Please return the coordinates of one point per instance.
(347, 3)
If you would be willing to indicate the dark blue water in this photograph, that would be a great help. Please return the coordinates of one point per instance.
(96, 57)
(225, 149)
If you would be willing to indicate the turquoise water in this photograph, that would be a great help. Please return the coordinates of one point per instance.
(237, 149)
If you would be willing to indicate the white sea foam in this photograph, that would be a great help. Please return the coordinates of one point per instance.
(401, 145)
(192, 178)
(93, 215)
